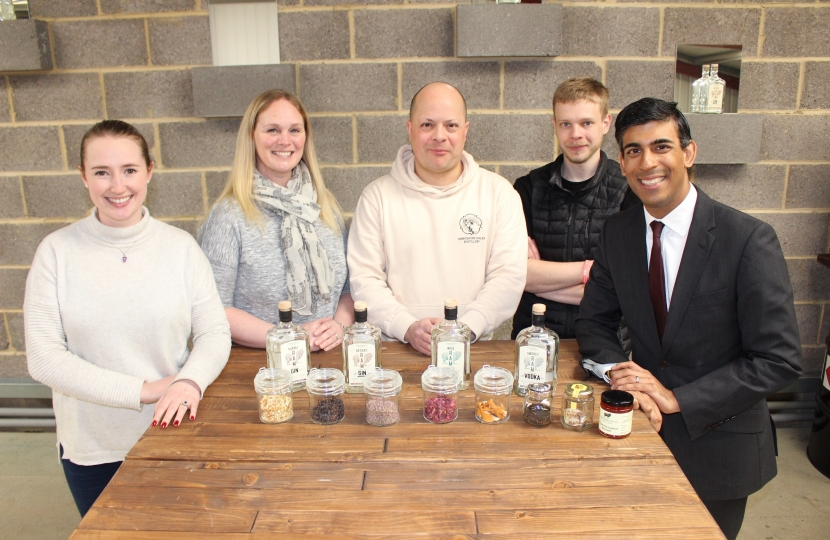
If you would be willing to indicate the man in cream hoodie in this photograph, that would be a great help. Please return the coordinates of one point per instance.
(437, 226)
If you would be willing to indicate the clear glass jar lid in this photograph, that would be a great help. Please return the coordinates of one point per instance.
(579, 391)
(494, 380)
(272, 381)
(441, 380)
(325, 381)
(383, 383)
(540, 390)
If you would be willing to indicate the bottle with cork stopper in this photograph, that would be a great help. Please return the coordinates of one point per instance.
(537, 354)
(451, 343)
(361, 349)
(288, 347)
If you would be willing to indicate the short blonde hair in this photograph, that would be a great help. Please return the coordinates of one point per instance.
(241, 178)
(582, 89)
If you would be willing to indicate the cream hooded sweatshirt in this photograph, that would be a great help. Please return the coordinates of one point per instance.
(411, 245)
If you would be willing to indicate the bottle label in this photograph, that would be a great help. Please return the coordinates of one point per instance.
(715, 102)
(451, 355)
(293, 358)
(361, 361)
(615, 423)
(532, 366)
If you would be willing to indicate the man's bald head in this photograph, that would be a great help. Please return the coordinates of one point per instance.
(439, 90)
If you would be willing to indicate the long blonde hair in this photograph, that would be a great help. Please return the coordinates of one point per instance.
(241, 178)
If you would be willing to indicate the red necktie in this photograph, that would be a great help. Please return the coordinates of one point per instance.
(656, 282)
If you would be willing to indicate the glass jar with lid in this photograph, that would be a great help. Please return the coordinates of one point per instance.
(273, 391)
(493, 386)
(325, 388)
(578, 406)
(382, 388)
(538, 404)
(441, 386)
(616, 414)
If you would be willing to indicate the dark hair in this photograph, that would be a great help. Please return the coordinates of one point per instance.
(412, 103)
(648, 110)
(116, 128)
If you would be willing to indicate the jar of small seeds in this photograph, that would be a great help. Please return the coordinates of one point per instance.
(578, 407)
(325, 389)
(441, 386)
(493, 388)
(538, 404)
(273, 391)
(382, 388)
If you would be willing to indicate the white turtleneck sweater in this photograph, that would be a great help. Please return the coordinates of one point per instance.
(97, 328)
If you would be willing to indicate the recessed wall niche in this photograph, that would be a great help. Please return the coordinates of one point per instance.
(688, 69)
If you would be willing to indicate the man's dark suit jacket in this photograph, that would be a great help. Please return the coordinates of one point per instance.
(731, 338)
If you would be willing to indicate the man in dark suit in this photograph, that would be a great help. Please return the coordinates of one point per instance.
(709, 305)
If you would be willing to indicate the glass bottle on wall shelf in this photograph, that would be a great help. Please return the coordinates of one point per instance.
(697, 88)
(361, 349)
(288, 347)
(712, 93)
(451, 343)
(537, 354)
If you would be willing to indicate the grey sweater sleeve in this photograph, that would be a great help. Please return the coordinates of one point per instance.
(219, 239)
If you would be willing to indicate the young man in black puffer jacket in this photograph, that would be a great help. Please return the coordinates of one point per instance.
(565, 204)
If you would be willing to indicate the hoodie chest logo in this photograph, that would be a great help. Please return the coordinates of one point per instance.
(470, 225)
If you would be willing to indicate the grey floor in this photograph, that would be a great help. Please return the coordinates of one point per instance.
(35, 502)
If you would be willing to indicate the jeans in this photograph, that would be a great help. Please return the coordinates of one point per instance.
(86, 482)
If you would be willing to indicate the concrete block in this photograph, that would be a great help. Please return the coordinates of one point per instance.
(56, 196)
(609, 143)
(13, 366)
(800, 31)
(801, 235)
(808, 317)
(629, 81)
(175, 194)
(816, 82)
(530, 84)
(595, 31)
(380, 137)
(145, 6)
(35, 148)
(711, 26)
(768, 85)
(72, 135)
(56, 97)
(825, 322)
(228, 90)
(812, 361)
(742, 186)
(727, 138)
(99, 44)
(5, 340)
(514, 172)
(18, 241)
(12, 287)
(190, 226)
(403, 33)
(5, 110)
(11, 198)
(347, 183)
(16, 332)
(179, 41)
(329, 28)
(509, 30)
(24, 46)
(149, 94)
(288, 3)
(810, 280)
(198, 144)
(477, 81)
(62, 8)
(349, 87)
(333, 138)
(808, 186)
(510, 137)
(796, 138)
(343, 2)
(215, 182)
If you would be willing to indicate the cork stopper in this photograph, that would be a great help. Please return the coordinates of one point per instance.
(285, 305)
(450, 303)
(360, 305)
(539, 309)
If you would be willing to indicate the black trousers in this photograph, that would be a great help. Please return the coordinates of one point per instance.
(728, 514)
(86, 482)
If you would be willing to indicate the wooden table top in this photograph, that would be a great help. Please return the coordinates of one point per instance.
(228, 475)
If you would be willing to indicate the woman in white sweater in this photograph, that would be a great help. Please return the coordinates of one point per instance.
(111, 302)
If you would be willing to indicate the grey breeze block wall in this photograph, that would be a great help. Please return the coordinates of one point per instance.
(356, 68)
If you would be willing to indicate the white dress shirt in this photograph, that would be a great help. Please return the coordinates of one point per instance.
(675, 232)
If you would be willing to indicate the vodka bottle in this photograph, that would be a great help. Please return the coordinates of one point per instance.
(696, 89)
(537, 354)
(288, 347)
(451, 343)
(715, 89)
(361, 349)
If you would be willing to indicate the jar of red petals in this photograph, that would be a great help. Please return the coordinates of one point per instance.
(441, 386)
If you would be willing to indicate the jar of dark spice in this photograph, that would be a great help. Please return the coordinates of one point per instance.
(441, 386)
(382, 388)
(578, 407)
(325, 390)
(493, 388)
(538, 404)
(616, 414)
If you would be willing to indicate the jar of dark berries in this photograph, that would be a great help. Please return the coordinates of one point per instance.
(325, 388)
(441, 386)
(493, 388)
(538, 404)
(382, 388)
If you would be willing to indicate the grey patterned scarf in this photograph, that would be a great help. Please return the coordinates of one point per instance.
(308, 272)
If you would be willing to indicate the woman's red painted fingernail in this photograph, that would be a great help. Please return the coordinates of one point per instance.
(176, 423)
(163, 425)
(154, 423)
(192, 418)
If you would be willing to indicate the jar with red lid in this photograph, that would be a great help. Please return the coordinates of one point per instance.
(617, 410)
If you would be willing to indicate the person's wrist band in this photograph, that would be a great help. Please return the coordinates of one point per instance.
(341, 324)
(586, 270)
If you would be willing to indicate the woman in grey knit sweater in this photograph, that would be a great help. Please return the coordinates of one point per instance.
(276, 233)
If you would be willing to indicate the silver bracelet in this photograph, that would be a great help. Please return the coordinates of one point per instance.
(341, 324)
